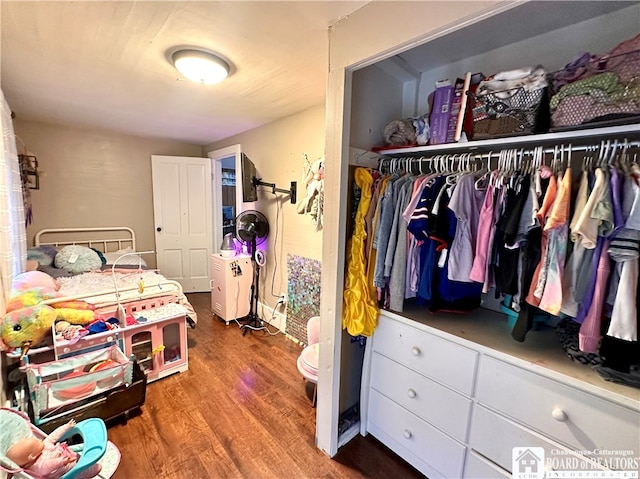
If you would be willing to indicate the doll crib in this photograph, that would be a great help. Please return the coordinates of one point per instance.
(95, 447)
(57, 385)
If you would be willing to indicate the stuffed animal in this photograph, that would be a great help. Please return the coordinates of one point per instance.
(75, 316)
(314, 182)
(27, 326)
(28, 321)
(30, 297)
(33, 279)
(70, 332)
(75, 311)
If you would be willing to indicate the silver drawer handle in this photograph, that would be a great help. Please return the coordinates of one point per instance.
(407, 434)
(411, 393)
(559, 415)
(415, 351)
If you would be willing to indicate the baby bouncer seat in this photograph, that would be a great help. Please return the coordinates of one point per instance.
(95, 447)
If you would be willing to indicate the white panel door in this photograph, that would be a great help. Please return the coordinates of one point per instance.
(182, 218)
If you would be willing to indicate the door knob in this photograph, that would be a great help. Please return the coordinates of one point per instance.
(158, 229)
(559, 415)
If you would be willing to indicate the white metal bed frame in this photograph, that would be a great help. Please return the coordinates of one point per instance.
(106, 239)
(122, 237)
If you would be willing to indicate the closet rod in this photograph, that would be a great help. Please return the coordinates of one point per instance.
(496, 154)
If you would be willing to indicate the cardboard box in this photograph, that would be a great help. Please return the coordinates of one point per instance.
(454, 112)
(440, 112)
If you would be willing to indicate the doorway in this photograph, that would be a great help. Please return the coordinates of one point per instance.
(227, 191)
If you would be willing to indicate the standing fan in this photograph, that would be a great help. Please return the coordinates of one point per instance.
(252, 230)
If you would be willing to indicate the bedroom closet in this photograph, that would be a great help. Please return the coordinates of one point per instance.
(455, 394)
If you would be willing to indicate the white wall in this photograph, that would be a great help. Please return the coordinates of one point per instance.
(94, 178)
(278, 150)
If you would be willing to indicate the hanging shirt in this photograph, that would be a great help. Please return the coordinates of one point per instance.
(466, 203)
(625, 251)
(485, 225)
(557, 227)
(570, 298)
(545, 209)
(586, 228)
(372, 240)
(508, 269)
(590, 335)
(397, 278)
(401, 187)
(419, 228)
(383, 230)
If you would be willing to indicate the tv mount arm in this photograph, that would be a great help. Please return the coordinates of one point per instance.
(292, 192)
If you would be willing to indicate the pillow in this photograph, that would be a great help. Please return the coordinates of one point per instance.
(34, 279)
(78, 259)
(44, 255)
(102, 258)
(130, 260)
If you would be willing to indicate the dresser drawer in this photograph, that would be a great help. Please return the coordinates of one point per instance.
(435, 448)
(437, 358)
(477, 467)
(495, 436)
(427, 399)
(570, 416)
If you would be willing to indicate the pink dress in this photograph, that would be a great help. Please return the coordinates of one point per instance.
(485, 226)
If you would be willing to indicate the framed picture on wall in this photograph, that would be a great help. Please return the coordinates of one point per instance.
(29, 171)
(33, 180)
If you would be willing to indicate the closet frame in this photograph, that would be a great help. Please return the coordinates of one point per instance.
(361, 42)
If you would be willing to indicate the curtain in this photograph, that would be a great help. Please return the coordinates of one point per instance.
(13, 234)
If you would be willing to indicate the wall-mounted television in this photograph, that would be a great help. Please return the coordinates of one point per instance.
(249, 191)
(250, 183)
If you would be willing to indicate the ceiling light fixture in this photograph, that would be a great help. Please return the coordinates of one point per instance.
(200, 66)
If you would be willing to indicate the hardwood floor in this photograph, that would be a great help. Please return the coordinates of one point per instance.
(239, 412)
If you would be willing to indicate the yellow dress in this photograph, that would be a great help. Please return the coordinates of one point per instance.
(359, 309)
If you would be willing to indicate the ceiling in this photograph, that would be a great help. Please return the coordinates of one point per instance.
(105, 64)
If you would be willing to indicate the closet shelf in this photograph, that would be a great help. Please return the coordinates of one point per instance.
(587, 135)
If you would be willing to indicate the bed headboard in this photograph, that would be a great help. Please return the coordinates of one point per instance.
(107, 239)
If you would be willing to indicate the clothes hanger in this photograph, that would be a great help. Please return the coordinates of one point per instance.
(484, 181)
(588, 158)
(614, 152)
(623, 160)
(452, 177)
(602, 153)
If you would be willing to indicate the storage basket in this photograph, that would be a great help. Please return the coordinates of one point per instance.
(516, 111)
(605, 92)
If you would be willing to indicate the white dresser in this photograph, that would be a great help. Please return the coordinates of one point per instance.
(231, 286)
(455, 408)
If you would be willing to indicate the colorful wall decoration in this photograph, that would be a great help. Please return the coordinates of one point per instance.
(303, 291)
